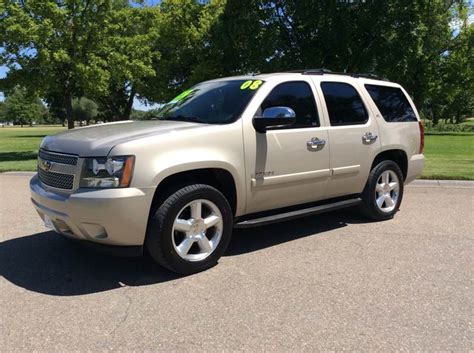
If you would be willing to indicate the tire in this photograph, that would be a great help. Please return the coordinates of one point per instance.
(381, 200)
(193, 243)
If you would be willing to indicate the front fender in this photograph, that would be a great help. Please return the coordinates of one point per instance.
(218, 146)
(168, 169)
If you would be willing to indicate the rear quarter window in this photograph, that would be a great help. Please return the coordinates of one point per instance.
(392, 103)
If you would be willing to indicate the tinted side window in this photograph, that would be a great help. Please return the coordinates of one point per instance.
(345, 107)
(392, 103)
(297, 96)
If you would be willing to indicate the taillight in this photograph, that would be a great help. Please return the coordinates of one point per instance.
(422, 136)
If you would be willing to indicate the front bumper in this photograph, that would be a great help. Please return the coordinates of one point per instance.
(109, 216)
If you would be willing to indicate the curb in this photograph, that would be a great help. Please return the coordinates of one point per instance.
(443, 183)
(18, 173)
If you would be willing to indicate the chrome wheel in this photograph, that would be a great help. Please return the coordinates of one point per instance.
(197, 230)
(387, 191)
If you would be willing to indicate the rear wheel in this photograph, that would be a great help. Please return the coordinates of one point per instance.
(190, 230)
(383, 192)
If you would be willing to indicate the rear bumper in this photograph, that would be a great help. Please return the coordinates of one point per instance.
(415, 167)
(115, 217)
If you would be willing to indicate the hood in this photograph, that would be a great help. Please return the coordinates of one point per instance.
(98, 140)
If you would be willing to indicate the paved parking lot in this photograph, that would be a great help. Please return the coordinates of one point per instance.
(329, 282)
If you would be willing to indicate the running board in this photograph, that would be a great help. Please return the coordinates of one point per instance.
(286, 216)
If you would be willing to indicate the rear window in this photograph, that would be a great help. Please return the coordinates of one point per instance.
(392, 103)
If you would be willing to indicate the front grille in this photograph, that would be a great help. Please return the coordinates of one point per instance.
(56, 180)
(56, 169)
(57, 158)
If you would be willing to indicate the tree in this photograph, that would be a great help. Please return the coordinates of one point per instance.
(137, 114)
(57, 111)
(114, 53)
(72, 48)
(457, 71)
(410, 42)
(421, 36)
(57, 43)
(23, 108)
(130, 34)
(84, 109)
(2, 111)
(236, 38)
(183, 37)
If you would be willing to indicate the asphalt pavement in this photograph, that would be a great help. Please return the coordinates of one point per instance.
(328, 282)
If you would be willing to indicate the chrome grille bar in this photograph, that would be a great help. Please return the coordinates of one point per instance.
(57, 157)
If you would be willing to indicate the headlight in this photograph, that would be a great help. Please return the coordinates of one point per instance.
(112, 172)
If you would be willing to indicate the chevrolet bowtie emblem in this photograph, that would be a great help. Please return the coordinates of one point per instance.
(46, 165)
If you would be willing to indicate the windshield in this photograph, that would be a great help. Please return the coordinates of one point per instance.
(218, 102)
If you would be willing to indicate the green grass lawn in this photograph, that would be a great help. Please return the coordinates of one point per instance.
(19, 146)
(448, 156)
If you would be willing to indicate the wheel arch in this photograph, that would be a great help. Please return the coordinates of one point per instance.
(396, 155)
(219, 178)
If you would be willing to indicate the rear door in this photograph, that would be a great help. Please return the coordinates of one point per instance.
(353, 135)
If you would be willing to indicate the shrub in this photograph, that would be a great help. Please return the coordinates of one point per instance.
(447, 127)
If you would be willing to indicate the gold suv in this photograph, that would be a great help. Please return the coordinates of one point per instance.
(234, 152)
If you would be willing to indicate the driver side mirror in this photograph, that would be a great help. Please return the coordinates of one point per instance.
(274, 116)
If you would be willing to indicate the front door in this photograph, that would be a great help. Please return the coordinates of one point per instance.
(290, 165)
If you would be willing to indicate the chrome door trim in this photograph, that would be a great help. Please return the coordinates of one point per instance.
(351, 169)
(290, 178)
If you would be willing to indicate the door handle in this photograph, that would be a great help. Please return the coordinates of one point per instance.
(315, 143)
(368, 138)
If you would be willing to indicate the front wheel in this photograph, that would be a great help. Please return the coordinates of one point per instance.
(190, 230)
(383, 192)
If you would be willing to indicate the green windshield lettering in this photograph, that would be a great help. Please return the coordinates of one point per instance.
(253, 85)
(181, 96)
(246, 84)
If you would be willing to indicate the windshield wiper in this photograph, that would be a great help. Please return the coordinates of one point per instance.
(193, 119)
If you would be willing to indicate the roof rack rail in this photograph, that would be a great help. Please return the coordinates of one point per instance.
(323, 71)
(369, 75)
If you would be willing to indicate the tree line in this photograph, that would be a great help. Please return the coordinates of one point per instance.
(115, 51)
(23, 108)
